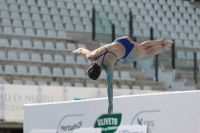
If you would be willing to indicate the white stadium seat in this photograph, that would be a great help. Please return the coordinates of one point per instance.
(41, 3)
(29, 82)
(125, 87)
(6, 22)
(4, 42)
(42, 83)
(17, 23)
(103, 75)
(14, 7)
(125, 75)
(12, 56)
(181, 55)
(60, 46)
(46, 18)
(40, 33)
(196, 44)
(19, 31)
(81, 60)
(2, 55)
(48, 45)
(38, 45)
(59, 26)
(17, 82)
(190, 55)
(70, 5)
(38, 24)
(26, 44)
(74, 13)
(67, 84)
(69, 73)
(136, 87)
(57, 72)
(80, 73)
(5, 14)
(78, 84)
(147, 88)
(44, 10)
(48, 25)
(116, 75)
(9, 69)
(24, 56)
(45, 71)
(71, 46)
(3, 6)
(70, 59)
(21, 70)
(57, 19)
(28, 23)
(58, 59)
(34, 9)
(35, 57)
(31, 2)
(187, 43)
(33, 70)
(54, 83)
(26, 16)
(60, 4)
(51, 4)
(51, 34)
(8, 30)
(47, 58)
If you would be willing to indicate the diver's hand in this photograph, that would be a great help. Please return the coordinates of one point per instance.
(74, 53)
(110, 109)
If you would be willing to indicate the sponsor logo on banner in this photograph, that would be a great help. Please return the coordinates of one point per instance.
(146, 118)
(71, 127)
(149, 123)
(108, 124)
(69, 123)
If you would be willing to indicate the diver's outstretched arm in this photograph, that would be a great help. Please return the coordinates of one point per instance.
(109, 72)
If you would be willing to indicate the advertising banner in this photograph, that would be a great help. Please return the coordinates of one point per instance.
(170, 112)
(13, 97)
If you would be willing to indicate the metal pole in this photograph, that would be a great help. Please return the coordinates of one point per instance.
(130, 24)
(113, 32)
(156, 56)
(195, 67)
(173, 56)
(93, 23)
(134, 63)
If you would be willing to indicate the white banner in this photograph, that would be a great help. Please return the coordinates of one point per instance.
(13, 97)
(170, 112)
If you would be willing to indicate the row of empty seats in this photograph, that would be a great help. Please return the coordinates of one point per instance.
(31, 32)
(58, 72)
(45, 58)
(187, 55)
(44, 10)
(39, 19)
(79, 84)
(78, 4)
(37, 44)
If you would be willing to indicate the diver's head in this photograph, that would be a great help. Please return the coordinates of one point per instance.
(94, 71)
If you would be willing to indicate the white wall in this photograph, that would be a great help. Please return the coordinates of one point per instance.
(172, 112)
